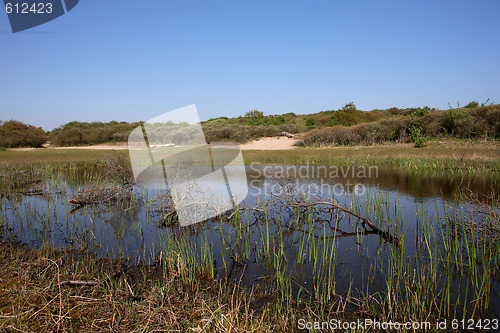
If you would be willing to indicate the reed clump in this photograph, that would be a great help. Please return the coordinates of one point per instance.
(102, 192)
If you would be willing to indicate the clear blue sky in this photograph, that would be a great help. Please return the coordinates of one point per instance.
(132, 60)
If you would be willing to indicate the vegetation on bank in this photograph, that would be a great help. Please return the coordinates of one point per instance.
(410, 125)
(437, 155)
(80, 133)
(345, 126)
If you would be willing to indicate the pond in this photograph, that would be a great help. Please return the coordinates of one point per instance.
(302, 231)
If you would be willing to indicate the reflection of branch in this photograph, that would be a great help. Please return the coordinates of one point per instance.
(338, 234)
(243, 208)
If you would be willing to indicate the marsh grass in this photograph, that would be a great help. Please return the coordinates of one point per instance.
(441, 279)
(461, 160)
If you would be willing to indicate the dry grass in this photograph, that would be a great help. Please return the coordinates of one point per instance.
(46, 155)
(46, 290)
(456, 150)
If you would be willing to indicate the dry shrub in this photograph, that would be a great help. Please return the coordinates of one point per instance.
(336, 135)
(476, 122)
(384, 130)
(371, 116)
(393, 129)
(473, 123)
(103, 192)
(362, 132)
(119, 169)
(394, 111)
(492, 117)
(433, 124)
(322, 118)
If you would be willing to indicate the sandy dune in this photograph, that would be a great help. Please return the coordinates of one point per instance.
(272, 143)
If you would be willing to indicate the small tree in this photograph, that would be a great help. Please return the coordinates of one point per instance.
(280, 120)
(416, 137)
(472, 105)
(254, 114)
(346, 116)
(309, 121)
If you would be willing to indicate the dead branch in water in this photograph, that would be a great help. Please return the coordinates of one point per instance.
(291, 197)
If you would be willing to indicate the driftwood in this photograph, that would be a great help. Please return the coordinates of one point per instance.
(288, 135)
(94, 282)
(82, 283)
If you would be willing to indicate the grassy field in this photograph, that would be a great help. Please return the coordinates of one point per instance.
(449, 150)
(44, 155)
(463, 151)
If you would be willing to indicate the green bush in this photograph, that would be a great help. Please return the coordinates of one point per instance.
(254, 114)
(81, 133)
(472, 105)
(280, 120)
(416, 137)
(420, 112)
(309, 122)
(16, 134)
